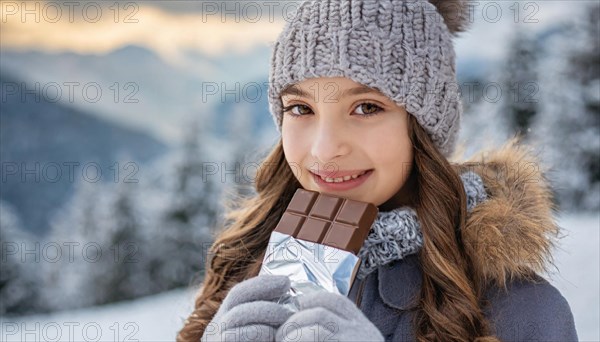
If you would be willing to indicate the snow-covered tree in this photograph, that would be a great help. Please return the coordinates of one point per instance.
(483, 124)
(520, 86)
(568, 127)
(79, 228)
(243, 154)
(135, 239)
(19, 281)
(123, 245)
(193, 192)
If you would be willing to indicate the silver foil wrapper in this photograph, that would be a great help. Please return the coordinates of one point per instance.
(310, 267)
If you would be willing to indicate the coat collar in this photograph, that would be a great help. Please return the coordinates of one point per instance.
(510, 235)
(514, 231)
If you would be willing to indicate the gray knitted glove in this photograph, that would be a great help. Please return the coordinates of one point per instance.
(249, 313)
(326, 316)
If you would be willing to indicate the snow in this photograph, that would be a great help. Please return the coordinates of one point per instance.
(578, 260)
(159, 317)
(152, 318)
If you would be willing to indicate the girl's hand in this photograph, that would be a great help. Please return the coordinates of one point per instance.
(326, 316)
(248, 312)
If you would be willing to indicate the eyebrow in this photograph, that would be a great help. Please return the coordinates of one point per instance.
(295, 91)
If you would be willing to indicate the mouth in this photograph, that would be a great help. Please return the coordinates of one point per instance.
(342, 179)
(345, 183)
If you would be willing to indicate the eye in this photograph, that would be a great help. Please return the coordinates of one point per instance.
(297, 110)
(364, 109)
(368, 109)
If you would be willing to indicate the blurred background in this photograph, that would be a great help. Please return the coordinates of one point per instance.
(124, 124)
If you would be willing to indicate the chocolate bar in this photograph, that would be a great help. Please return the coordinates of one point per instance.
(299, 246)
(328, 220)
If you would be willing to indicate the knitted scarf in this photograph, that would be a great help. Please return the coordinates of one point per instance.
(397, 233)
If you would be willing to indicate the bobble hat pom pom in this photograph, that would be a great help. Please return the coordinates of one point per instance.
(403, 48)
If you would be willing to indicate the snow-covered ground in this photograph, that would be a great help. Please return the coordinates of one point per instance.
(578, 275)
(159, 317)
(152, 318)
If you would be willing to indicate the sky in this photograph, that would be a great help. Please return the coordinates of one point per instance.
(218, 27)
(89, 28)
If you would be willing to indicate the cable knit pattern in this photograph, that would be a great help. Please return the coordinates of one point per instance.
(394, 234)
(397, 233)
(474, 189)
(402, 48)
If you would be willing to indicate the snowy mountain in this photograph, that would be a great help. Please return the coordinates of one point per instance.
(59, 145)
(141, 90)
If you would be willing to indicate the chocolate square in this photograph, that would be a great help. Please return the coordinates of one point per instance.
(327, 219)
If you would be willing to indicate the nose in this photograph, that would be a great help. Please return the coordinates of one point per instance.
(330, 141)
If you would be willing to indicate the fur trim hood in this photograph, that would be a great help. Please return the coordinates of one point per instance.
(513, 232)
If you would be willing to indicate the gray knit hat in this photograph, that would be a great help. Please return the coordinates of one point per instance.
(403, 48)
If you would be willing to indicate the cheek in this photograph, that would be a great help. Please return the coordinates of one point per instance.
(388, 145)
(293, 150)
(392, 152)
(401, 159)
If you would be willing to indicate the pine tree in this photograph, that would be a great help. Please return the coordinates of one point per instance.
(520, 88)
(242, 154)
(19, 279)
(483, 124)
(80, 228)
(585, 67)
(194, 210)
(568, 128)
(121, 261)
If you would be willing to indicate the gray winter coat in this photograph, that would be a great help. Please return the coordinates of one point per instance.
(526, 312)
(508, 235)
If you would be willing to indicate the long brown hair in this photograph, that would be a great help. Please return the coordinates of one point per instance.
(450, 308)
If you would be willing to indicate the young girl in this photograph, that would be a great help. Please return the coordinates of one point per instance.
(368, 89)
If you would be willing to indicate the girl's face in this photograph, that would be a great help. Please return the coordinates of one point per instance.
(335, 127)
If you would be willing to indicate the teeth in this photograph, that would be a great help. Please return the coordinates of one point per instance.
(339, 180)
